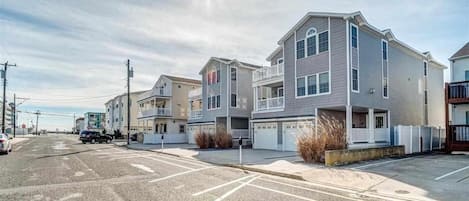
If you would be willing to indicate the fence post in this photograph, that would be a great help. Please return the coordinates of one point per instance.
(431, 138)
(410, 134)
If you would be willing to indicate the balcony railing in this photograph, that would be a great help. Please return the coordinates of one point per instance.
(458, 92)
(458, 138)
(195, 114)
(155, 112)
(363, 135)
(268, 72)
(195, 93)
(270, 104)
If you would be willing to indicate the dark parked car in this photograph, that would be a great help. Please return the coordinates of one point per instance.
(93, 137)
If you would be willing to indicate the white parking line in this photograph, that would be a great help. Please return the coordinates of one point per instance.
(183, 160)
(380, 163)
(18, 148)
(451, 173)
(222, 185)
(167, 162)
(308, 189)
(236, 189)
(179, 174)
(142, 167)
(281, 192)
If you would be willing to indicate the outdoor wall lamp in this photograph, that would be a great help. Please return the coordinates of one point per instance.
(371, 91)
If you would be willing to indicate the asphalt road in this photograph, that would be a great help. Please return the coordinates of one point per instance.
(59, 167)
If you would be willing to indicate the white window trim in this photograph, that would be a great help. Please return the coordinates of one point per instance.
(317, 86)
(387, 69)
(214, 108)
(354, 26)
(425, 63)
(306, 41)
(278, 92)
(328, 43)
(237, 87)
(358, 80)
(304, 49)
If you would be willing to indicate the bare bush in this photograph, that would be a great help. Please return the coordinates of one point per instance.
(329, 135)
(223, 140)
(204, 140)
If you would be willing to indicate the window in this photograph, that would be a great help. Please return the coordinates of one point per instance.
(214, 102)
(384, 47)
(233, 74)
(324, 82)
(354, 36)
(312, 86)
(280, 92)
(117, 119)
(467, 117)
(280, 61)
(218, 101)
(209, 103)
(323, 41)
(300, 90)
(164, 128)
(355, 79)
(182, 128)
(218, 76)
(466, 75)
(233, 100)
(425, 68)
(311, 45)
(385, 50)
(300, 49)
(209, 78)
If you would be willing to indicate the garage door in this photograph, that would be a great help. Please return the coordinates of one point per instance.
(292, 130)
(265, 136)
(192, 130)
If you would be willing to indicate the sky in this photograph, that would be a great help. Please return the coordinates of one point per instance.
(71, 55)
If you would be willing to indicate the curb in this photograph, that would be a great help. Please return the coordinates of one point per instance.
(242, 167)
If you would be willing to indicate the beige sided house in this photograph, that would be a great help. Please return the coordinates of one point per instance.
(163, 109)
(116, 113)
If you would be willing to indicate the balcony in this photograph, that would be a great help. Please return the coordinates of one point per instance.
(458, 137)
(270, 104)
(269, 74)
(457, 92)
(155, 112)
(363, 135)
(195, 94)
(195, 114)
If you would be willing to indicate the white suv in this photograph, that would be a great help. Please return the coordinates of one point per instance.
(5, 143)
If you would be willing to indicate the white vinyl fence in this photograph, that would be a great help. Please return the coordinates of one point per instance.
(419, 138)
(168, 138)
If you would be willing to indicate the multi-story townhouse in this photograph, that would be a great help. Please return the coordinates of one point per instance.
(163, 109)
(457, 102)
(116, 113)
(337, 64)
(225, 100)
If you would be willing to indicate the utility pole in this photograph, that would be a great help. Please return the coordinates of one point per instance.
(14, 111)
(37, 113)
(130, 73)
(4, 75)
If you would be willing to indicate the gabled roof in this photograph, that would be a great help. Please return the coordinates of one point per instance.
(183, 79)
(278, 49)
(387, 33)
(230, 61)
(461, 53)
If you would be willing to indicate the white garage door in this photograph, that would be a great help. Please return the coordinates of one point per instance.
(265, 136)
(291, 131)
(192, 130)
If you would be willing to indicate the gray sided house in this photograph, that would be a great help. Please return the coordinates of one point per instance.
(338, 65)
(225, 100)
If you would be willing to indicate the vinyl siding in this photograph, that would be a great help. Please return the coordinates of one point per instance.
(436, 102)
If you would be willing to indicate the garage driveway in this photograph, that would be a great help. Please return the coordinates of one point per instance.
(425, 177)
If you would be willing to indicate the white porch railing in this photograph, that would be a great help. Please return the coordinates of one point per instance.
(155, 112)
(268, 72)
(236, 133)
(270, 103)
(195, 93)
(363, 135)
(195, 114)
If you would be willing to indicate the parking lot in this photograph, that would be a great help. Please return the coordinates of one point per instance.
(434, 176)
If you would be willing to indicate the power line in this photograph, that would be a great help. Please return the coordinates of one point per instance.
(74, 99)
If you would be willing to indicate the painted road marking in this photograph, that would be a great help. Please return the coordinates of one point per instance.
(451, 173)
(222, 185)
(281, 192)
(236, 189)
(182, 160)
(179, 174)
(308, 189)
(167, 162)
(380, 163)
(142, 167)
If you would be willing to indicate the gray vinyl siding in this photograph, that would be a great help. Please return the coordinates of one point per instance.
(305, 106)
(245, 94)
(277, 56)
(370, 71)
(436, 102)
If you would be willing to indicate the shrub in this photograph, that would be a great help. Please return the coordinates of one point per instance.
(223, 140)
(330, 136)
(204, 140)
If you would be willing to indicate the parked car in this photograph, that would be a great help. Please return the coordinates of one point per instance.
(5, 143)
(93, 137)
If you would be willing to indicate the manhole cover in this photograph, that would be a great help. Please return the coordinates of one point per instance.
(402, 192)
